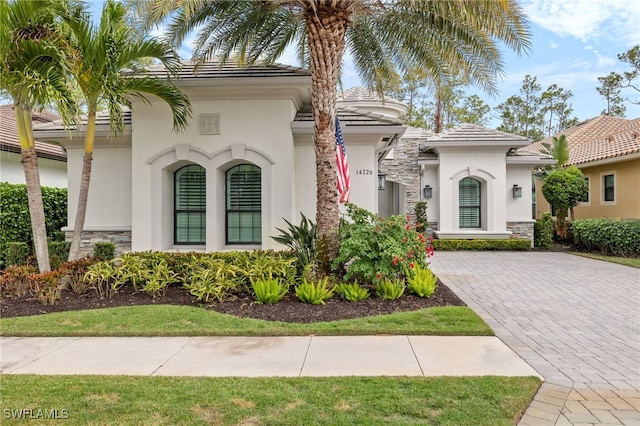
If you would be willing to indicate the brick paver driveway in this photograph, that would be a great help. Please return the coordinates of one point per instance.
(575, 320)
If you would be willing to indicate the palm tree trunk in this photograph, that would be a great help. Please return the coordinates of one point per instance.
(83, 196)
(34, 192)
(326, 29)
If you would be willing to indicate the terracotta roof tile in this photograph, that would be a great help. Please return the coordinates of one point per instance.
(598, 138)
(9, 134)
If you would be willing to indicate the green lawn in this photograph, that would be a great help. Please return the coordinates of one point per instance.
(627, 261)
(170, 320)
(270, 401)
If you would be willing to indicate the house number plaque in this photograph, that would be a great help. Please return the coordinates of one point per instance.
(364, 172)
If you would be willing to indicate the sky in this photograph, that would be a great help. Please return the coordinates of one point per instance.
(573, 43)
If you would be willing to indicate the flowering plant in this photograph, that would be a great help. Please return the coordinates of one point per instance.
(373, 248)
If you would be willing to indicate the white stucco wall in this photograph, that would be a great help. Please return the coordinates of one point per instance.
(363, 170)
(256, 131)
(519, 209)
(431, 177)
(485, 164)
(109, 203)
(52, 173)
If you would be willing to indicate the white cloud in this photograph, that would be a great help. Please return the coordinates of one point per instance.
(587, 20)
(553, 45)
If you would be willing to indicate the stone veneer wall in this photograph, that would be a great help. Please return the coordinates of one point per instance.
(523, 230)
(121, 239)
(403, 168)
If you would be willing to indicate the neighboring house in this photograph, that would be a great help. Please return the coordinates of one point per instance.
(52, 159)
(607, 151)
(244, 165)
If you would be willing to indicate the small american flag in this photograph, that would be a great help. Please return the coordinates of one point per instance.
(344, 181)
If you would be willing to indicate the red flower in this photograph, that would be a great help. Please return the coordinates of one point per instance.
(394, 262)
(404, 240)
(411, 265)
(408, 227)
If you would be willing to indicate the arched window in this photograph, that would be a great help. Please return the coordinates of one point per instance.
(190, 205)
(244, 205)
(469, 203)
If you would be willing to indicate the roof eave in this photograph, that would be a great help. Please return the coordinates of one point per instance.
(603, 161)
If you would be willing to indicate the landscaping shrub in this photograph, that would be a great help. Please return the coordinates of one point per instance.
(422, 282)
(420, 211)
(59, 249)
(46, 287)
(452, 245)
(389, 289)
(72, 274)
(16, 253)
(352, 292)
(268, 291)
(15, 281)
(15, 222)
(314, 292)
(609, 236)
(213, 279)
(543, 231)
(373, 248)
(301, 239)
(104, 250)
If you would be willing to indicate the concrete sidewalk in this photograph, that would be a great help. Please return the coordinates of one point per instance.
(262, 356)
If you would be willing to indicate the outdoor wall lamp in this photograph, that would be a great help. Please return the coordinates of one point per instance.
(382, 180)
(427, 191)
(517, 191)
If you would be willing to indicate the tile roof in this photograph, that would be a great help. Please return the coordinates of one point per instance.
(470, 134)
(191, 70)
(598, 138)
(352, 117)
(9, 134)
(102, 120)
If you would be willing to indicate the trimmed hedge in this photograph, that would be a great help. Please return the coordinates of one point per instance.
(15, 222)
(543, 232)
(452, 245)
(609, 236)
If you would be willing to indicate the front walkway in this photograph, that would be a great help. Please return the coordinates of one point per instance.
(575, 320)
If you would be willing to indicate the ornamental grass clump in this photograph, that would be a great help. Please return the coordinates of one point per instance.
(352, 292)
(422, 282)
(269, 290)
(314, 292)
(373, 248)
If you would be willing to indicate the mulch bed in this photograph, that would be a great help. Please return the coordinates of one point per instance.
(287, 310)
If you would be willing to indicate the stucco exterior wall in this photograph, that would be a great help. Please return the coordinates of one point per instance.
(109, 202)
(626, 204)
(363, 170)
(486, 165)
(255, 131)
(627, 193)
(52, 173)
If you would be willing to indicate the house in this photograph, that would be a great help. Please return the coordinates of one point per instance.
(52, 159)
(244, 165)
(607, 151)
(476, 181)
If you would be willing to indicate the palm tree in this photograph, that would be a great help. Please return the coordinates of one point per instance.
(385, 38)
(33, 59)
(107, 56)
